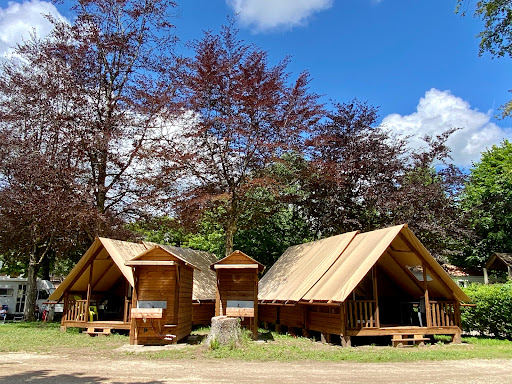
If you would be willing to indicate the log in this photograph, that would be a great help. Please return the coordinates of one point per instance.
(224, 331)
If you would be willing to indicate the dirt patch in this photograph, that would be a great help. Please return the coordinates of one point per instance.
(118, 368)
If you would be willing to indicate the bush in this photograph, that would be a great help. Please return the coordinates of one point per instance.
(492, 315)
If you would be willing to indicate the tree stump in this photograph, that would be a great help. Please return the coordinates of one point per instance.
(224, 331)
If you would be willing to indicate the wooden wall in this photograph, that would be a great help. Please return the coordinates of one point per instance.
(236, 284)
(185, 302)
(159, 283)
(203, 312)
(324, 319)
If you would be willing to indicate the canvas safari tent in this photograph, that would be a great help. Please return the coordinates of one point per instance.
(98, 292)
(379, 283)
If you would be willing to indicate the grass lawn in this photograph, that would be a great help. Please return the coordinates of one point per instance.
(47, 338)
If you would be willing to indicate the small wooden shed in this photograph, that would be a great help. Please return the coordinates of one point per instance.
(237, 288)
(162, 297)
(498, 262)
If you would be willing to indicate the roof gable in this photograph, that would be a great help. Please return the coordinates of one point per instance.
(238, 257)
(330, 269)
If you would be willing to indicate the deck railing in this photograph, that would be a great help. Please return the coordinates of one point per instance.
(444, 314)
(362, 314)
(76, 310)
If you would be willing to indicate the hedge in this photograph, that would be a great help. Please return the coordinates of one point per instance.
(492, 315)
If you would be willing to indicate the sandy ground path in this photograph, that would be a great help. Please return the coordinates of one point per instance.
(60, 368)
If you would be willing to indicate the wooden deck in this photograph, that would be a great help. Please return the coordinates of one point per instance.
(97, 324)
(404, 330)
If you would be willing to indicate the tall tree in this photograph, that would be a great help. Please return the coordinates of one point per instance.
(487, 198)
(243, 114)
(87, 102)
(428, 198)
(119, 55)
(496, 37)
(353, 170)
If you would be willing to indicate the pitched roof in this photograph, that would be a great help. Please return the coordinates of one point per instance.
(238, 257)
(494, 261)
(330, 269)
(105, 253)
(108, 252)
(204, 278)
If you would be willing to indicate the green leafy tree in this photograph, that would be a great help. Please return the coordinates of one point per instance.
(496, 37)
(488, 199)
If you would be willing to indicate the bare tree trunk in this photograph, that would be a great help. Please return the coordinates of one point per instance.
(230, 233)
(30, 298)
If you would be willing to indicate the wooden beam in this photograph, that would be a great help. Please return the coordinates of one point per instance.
(407, 272)
(133, 322)
(431, 270)
(102, 275)
(375, 296)
(427, 301)
(84, 268)
(89, 291)
(132, 263)
(235, 266)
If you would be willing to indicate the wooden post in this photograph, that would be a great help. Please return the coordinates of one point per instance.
(255, 300)
(509, 270)
(218, 304)
(486, 276)
(89, 292)
(427, 301)
(63, 326)
(457, 338)
(133, 321)
(375, 297)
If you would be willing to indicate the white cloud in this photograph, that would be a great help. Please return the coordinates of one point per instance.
(262, 15)
(439, 111)
(18, 20)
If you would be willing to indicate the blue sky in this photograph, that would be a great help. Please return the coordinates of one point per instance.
(415, 59)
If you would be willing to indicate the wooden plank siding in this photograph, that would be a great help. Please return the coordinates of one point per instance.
(185, 302)
(155, 284)
(329, 319)
(202, 312)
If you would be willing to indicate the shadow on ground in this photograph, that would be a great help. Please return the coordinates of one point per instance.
(47, 377)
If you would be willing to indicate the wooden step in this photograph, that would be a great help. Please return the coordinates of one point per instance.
(408, 340)
(98, 331)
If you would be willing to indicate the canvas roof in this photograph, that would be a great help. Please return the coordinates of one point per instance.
(330, 269)
(109, 265)
(106, 254)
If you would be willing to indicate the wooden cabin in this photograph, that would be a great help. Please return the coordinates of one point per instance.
(237, 289)
(498, 262)
(379, 283)
(98, 292)
(162, 297)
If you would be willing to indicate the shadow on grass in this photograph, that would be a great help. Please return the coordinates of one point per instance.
(193, 339)
(72, 378)
(265, 336)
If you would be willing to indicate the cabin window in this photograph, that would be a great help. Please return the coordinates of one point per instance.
(6, 292)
